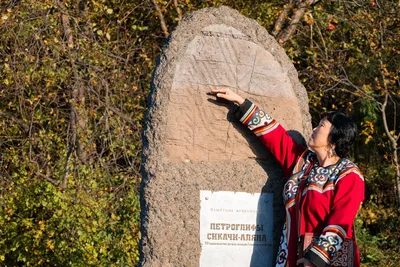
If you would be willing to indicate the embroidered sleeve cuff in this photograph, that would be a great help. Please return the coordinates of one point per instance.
(317, 258)
(255, 118)
(327, 245)
(337, 232)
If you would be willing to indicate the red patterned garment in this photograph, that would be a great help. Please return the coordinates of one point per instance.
(331, 196)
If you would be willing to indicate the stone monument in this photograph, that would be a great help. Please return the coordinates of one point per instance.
(195, 154)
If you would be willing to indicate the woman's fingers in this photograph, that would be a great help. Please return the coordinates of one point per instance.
(227, 94)
(222, 93)
(215, 91)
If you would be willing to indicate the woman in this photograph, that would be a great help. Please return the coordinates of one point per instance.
(331, 187)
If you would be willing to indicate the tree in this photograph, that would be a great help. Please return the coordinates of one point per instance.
(71, 107)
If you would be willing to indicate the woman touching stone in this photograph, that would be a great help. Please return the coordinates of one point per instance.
(323, 190)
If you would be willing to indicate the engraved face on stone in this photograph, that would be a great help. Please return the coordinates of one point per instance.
(222, 56)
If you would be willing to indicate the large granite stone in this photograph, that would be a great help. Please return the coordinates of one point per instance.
(192, 143)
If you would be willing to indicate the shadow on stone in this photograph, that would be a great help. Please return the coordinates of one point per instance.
(276, 177)
(274, 184)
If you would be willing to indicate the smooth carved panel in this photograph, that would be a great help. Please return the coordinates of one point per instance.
(198, 129)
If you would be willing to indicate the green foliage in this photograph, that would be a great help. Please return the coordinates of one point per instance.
(378, 235)
(69, 162)
(69, 228)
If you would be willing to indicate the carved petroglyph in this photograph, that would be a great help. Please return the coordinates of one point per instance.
(221, 57)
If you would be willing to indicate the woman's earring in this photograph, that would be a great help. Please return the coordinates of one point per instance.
(333, 152)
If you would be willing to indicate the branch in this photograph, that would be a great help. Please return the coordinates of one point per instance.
(108, 106)
(391, 137)
(347, 82)
(77, 121)
(395, 113)
(123, 117)
(285, 35)
(66, 172)
(161, 17)
(67, 30)
(282, 18)
(323, 41)
(383, 110)
(20, 122)
(47, 178)
(178, 9)
(311, 33)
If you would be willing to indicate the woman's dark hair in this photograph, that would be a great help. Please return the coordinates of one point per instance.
(343, 132)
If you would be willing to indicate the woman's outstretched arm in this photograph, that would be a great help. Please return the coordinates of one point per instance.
(269, 131)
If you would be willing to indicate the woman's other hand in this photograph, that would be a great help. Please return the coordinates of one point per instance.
(228, 94)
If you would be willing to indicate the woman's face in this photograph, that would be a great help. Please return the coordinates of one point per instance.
(319, 137)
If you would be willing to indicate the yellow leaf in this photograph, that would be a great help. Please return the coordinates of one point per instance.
(369, 138)
(308, 19)
(50, 244)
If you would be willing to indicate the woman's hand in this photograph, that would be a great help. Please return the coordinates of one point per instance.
(304, 262)
(228, 94)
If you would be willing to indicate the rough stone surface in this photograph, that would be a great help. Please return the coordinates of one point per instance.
(191, 143)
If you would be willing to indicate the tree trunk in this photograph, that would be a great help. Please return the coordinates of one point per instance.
(298, 13)
(280, 21)
(393, 145)
(78, 120)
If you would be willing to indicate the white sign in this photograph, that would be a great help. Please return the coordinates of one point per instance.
(236, 229)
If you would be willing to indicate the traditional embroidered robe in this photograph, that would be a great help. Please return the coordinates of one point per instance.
(330, 199)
